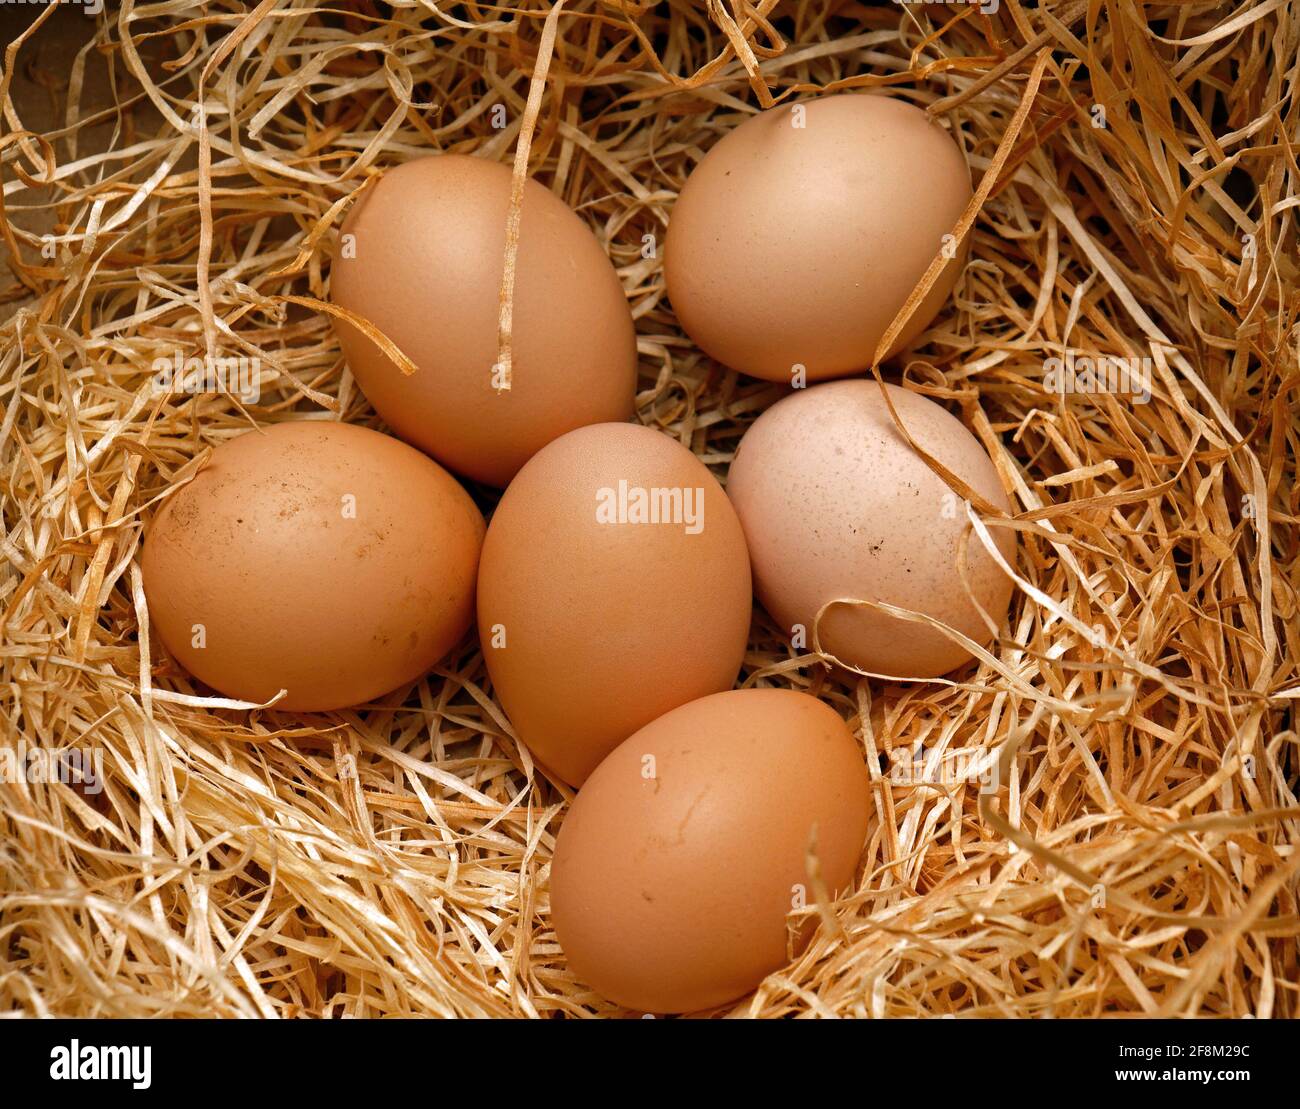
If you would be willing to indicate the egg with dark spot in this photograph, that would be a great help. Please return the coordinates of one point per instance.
(320, 558)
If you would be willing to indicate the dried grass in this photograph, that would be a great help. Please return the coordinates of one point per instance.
(1142, 856)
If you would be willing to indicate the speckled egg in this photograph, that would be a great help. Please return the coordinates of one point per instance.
(836, 505)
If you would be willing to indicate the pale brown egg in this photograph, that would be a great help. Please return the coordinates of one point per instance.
(421, 257)
(677, 864)
(835, 504)
(799, 236)
(324, 559)
(614, 586)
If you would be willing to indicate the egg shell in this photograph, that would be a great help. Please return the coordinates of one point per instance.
(677, 864)
(593, 626)
(325, 559)
(835, 504)
(429, 243)
(795, 246)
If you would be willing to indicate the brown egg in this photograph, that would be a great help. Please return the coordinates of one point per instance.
(614, 586)
(421, 257)
(320, 558)
(678, 862)
(836, 504)
(801, 233)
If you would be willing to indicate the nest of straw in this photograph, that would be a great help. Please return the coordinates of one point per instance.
(1138, 179)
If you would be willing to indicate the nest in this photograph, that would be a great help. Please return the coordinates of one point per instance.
(1137, 186)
